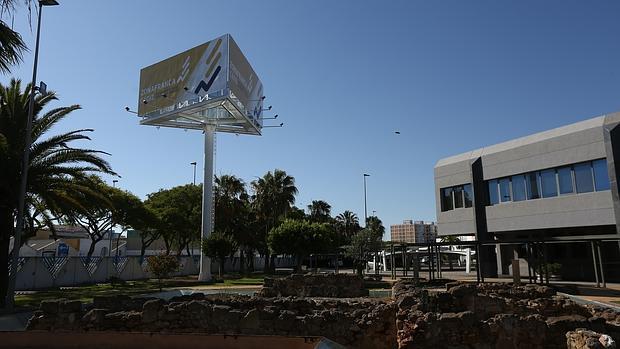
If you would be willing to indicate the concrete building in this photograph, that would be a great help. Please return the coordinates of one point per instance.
(413, 232)
(71, 241)
(560, 186)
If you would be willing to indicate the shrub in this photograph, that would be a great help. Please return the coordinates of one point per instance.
(162, 266)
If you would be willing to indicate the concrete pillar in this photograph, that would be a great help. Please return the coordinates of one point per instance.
(498, 253)
(468, 261)
(207, 200)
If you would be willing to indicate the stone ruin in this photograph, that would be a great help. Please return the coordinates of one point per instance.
(494, 315)
(313, 285)
(355, 323)
(466, 315)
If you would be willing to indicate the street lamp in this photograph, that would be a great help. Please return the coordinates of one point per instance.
(365, 205)
(194, 164)
(114, 181)
(25, 160)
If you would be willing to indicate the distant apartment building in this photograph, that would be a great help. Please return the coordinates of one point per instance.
(413, 231)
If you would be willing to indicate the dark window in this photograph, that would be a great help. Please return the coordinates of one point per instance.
(583, 177)
(518, 188)
(468, 195)
(504, 189)
(531, 181)
(458, 197)
(548, 182)
(565, 180)
(446, 199)
(601, 177)
(493, 200)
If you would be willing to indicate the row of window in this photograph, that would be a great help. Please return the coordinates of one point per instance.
(583, 177)
(456, 197)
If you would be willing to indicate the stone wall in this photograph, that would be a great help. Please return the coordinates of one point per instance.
(312, 285)
(491, 315)
(356, 323)
(586, 339)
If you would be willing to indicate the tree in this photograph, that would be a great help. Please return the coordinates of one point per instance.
(274, 194)
(56, 165)
(12, 45)
(296, 213)
(363, 245)
(95, 213)
(149, 229)
(129, 212)
(300, 239)
(179, 209)
(233, 215)
(348, 224)
(219, 246)
(162, 266)
(319, 211)
(374, 224)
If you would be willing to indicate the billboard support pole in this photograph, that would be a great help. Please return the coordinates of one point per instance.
(207, 201)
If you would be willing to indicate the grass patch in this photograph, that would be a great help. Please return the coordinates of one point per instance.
(86, 293)
(253, 281)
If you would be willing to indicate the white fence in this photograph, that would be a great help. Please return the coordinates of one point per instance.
(44, 272)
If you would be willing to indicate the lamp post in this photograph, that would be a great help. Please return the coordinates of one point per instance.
(25, 160)
(114, 181)
(365, 204)
(194, 164)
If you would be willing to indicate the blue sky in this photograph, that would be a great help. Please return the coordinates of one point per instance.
(343, 76)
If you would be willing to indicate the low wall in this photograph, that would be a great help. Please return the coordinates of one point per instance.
(355, 323)
(44, 272)
(313, 285)
(492, 316)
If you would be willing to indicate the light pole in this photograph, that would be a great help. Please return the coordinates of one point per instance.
(114, 181)
(194, 164)
(365, 205)
(21, 200)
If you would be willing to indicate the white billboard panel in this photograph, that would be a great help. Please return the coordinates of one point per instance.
(212, 80)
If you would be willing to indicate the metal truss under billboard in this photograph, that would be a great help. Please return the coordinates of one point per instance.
(212, 83)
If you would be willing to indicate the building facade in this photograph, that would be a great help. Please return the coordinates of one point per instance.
(560, 184)
(413, 232)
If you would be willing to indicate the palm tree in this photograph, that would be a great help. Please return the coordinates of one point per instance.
(349, 222)
(11, 47)
(319, 211)
(56, 171)
(274, 194)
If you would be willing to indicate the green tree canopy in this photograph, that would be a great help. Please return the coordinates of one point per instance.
(219, 246)
(319, 211)
(274, 194)
(300, 239)
(179, 211)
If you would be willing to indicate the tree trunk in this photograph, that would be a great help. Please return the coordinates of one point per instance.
(91, 249)
(250, 261)
(189, 254)
(272, 264)
(241, 262)
(142, 251)
(6, 230)
(300, 260)
(267, 268)
(167, 243)
(221, 268)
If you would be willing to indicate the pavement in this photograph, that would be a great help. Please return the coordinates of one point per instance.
(14, 322)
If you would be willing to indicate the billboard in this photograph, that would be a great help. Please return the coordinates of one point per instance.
(196, 78)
